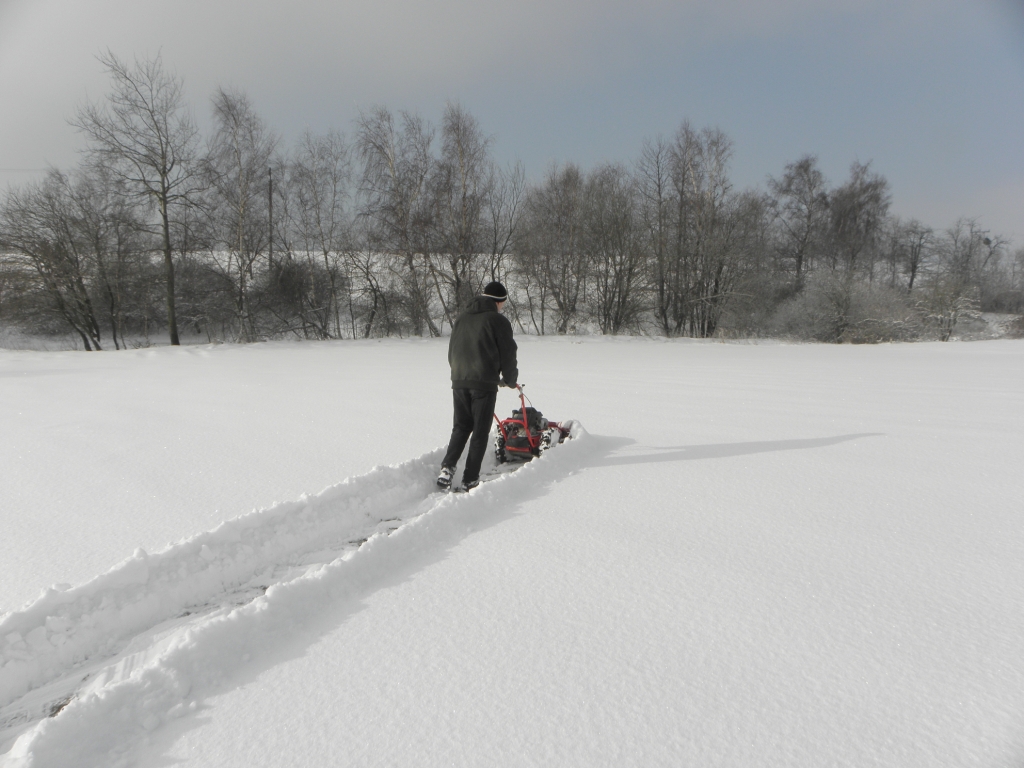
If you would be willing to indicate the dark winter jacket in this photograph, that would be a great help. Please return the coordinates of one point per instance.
(481, 350)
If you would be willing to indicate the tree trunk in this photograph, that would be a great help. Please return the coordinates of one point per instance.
(172, 320)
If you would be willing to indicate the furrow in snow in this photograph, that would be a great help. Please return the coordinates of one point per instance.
(63, 630)
(104, 722)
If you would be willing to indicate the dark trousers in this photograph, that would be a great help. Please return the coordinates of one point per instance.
(474, 412)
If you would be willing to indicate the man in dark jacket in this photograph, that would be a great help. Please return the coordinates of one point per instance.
(482, 355)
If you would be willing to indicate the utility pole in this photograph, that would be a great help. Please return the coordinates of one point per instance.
(269, 173)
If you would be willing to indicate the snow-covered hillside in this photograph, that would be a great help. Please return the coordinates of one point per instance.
(747, 555)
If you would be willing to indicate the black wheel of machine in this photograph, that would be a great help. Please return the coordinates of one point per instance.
(499, 448)
(545, 441)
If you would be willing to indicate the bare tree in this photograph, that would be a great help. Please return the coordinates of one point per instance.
(236, 168)
(1014, 297)
(857, 212)
(550, 253)
(801, 206)
(39, 227)
(917, 240)
(969, 261)
(378, 298)
(397, 163)
(112, 235)
(759, 281)
(321, 176)
(462, 182)
(904, 247)
(969, 253)
(504, 214)
(613, 241)
(146, 136)
(655, 206)
(702, 258)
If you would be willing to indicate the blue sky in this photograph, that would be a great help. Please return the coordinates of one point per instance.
(931, 92)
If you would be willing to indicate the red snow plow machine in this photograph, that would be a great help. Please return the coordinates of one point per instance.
(526, 433)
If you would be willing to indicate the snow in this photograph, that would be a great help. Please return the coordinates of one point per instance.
(747, 554)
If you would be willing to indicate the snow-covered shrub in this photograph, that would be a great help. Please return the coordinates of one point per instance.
(836, 308)
(946, 301)
(879, 314)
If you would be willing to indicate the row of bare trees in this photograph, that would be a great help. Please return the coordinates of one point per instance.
(859, 273)
(237, 237)
(668, 246)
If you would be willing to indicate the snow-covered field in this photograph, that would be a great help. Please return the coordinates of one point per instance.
(770, 555)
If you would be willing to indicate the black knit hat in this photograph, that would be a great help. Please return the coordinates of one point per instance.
(496, 291)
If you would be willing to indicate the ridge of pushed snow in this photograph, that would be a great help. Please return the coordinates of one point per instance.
(103, 719)
(62, 629)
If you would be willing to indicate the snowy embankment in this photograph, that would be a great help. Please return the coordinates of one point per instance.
(199, 610)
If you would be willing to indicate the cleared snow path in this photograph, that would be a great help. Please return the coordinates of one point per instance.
(91, 670)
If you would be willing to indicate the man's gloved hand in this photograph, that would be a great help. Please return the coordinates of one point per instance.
(513, 385)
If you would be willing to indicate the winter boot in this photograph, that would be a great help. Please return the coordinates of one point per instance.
(444, 480)
(469, 485)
